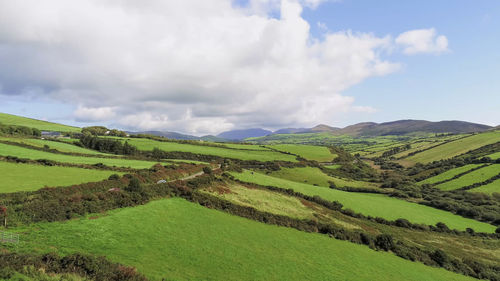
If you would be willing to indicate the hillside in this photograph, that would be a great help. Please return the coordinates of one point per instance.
(243, 134)
(9, 119)
(198, 210)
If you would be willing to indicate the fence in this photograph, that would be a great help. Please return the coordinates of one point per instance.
(7, 237)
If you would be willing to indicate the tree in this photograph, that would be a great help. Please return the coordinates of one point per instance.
(134, 185)
(207, 170)
(384, 242)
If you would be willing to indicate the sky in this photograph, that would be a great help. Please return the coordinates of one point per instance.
(203, 67)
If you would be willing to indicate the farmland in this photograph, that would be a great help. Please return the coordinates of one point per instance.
(61, 146)
(455, 147)
(371, 204)
(315, 176)
(242, 154)
(449, 174)
(488, 188)
(168, 246)
(471, 178)
(9, 119)
(25, 177)
(309, 152)
(21, 152)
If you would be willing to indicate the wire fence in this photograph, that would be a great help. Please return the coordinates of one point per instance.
(7, 237)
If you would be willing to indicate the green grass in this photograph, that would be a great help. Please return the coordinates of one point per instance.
(312, 175)
(24, 177)
(494, 156)
(471, 178)
(243, 154)
(61, 146)
(449, 174)
(21, 152)
(455, 148)
(375, 205)
(488, 188)
(179, 240)
(244, 146)
(309, 152)
(9, 119)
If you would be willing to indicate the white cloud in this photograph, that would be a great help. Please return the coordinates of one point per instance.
(88, 114)
(422, 41)
(191, 66)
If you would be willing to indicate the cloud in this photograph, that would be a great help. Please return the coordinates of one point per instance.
(86, 114)
(190, 66)
(422, 41)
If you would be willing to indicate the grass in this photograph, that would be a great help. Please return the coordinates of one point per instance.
(21, 152)
(9, 119)
(25, 177)
(494, 156)
(455, 147)
(309, 152)
(312, 175)
(488, 188)
(242, 154)
(375, 205)
(449, 174)
(244, 146)
(61, 146)
(179, 240)
(471, 178)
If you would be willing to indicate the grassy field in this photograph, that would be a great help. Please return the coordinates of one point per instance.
(9, 119)
(494, 156)
(179, 240)
(471, 178)
(244, 146)
(243, 154)
(61, 146)
(25, 177)
(334, 166)
(375, 205)
(309, 152)
(488, 188)
(312, 175)
(455, 148)
(21, 152)
(449, 174)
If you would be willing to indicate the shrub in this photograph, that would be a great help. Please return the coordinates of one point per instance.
(134, 185)
(114, 177)
(384, 242)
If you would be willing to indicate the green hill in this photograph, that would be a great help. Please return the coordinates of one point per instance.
(9, 119)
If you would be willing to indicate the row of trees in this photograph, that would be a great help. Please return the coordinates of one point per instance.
(19, 130)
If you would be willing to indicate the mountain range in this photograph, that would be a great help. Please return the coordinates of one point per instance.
(399, 127)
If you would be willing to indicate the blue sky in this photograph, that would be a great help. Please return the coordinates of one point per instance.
(55, 75)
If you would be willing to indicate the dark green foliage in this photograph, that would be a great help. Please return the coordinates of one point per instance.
(107, 145)
(134, 185)
(439, 257)
(207, 170)
(384, 242)
(19, 130)
(114, 177)
(95, 268)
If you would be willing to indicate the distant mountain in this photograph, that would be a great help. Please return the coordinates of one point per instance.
(244, 134)
(323, 128)
(402, 127)
(212, 138)
(291, 131)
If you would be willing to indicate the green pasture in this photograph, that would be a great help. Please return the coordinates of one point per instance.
(449, 174)
(376, 205)
(471, 178)
(25, 177)
(494, 156)
(488, 188)
(455, 147)
(178, 240)
(9, 119)
(309, 152)
(61, 146)
(21, 152)
(312, 175)
(242, 154)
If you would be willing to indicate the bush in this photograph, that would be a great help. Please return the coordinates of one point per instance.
(207, 170)
(384, 242)
(114, 177)
(439, 257)
(134, 185)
